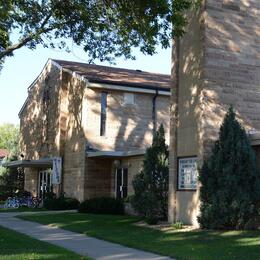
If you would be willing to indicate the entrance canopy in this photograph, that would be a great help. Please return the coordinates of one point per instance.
(114, 154)
(41, 163)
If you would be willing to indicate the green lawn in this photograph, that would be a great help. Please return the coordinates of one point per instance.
(15, 246)
(182, 245)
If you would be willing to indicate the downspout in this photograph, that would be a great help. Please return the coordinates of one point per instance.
(154, 111)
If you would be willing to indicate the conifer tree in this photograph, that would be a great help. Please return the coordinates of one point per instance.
(230, 180)
(151, 184)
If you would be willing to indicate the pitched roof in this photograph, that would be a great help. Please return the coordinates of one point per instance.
(3, 153)
(118, 76)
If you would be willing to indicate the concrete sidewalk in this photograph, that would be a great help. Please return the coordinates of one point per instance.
(78, 243)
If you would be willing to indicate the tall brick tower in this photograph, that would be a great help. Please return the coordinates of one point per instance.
(219, 66)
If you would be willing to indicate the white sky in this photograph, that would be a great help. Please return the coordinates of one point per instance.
(20, 71)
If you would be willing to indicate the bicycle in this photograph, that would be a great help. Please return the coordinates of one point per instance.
(12, 203)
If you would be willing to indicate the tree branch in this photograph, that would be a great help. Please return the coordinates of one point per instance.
(8, 51)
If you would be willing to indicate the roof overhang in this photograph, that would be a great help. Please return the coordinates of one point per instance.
(41, 163)
(115, 154)
(254, 138)
(145, 90)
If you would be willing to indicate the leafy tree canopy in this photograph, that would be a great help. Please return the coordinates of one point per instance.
(230, 187)
(105, 28)
(9, 138)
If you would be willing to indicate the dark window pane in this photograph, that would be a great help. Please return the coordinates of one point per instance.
(103, 114)
(125, 184)
(118, 183)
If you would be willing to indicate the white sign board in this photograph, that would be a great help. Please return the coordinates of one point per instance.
(188, 173)
(56, 170)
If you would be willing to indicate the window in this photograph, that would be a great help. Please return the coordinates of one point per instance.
(187, 173)
(103, 115)
(129, 98)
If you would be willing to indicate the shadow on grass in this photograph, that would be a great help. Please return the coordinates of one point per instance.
(179, 244)
(16, 246)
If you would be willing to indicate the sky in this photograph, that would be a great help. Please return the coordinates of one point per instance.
(20, 71)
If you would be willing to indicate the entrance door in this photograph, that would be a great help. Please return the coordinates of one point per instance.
(45, 185)
(121, 183)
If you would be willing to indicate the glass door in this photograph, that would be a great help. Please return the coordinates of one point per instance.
(45, 184)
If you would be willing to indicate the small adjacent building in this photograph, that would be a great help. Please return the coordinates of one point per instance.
(3, 154)
(84, 128)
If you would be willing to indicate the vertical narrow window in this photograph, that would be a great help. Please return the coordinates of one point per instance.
(103, 115)
(154, 111)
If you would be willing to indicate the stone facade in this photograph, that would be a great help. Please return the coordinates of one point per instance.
(61, 117)
(219, 67)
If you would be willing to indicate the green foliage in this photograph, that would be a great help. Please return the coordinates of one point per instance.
(102, 205)
(150, 197)
(151, 220)
(61, 203)
(177, 225)
(229, 178)
(9, 138)
(105, 29)
(11, 181)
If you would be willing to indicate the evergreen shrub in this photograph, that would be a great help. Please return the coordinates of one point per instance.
(150, 197)
(52, 202)
(102, 205)
(230, 187)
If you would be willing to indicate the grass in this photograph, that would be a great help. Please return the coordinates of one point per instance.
(178, 244)
(15, 246)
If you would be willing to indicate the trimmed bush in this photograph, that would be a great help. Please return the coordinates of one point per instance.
(102, 205)
(53, 203)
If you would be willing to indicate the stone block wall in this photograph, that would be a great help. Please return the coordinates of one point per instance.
(232, 64)
(128, 126)
(134, 166)
(31, 180)
(39, 124)
(219, 67)
(99, 178)
(62, 117)
(72, 136)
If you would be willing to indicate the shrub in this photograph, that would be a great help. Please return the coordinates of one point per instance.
(150, 197)
(61, 203)
(177, 225)
(229, 180)
(102, 205)
(151, 220)
(11, 181)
